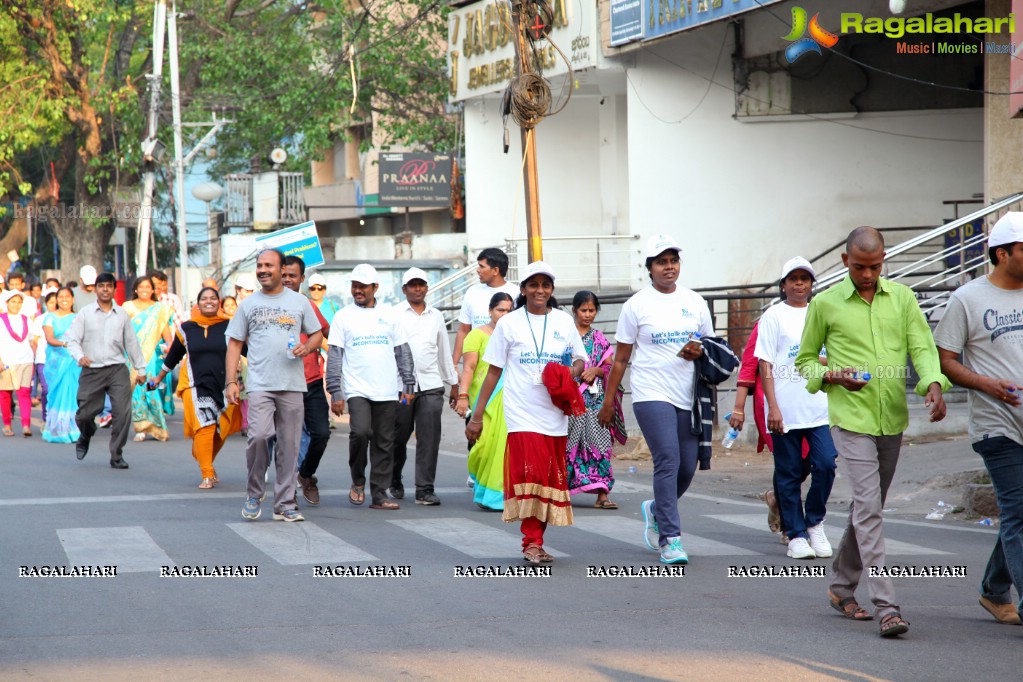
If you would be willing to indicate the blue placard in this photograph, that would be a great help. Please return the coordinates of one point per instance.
(626, 21)
(670, 16)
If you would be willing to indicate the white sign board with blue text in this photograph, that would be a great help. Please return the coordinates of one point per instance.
(298, 240)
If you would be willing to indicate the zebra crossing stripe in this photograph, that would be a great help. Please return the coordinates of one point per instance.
(130, 548)
(294, 544)
(892, 547)
(472, 538)
(630, 531)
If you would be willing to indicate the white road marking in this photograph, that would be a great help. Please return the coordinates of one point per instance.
(475, 539)
(130, 548)
(892, 547)
(630, 531)
(294, 544)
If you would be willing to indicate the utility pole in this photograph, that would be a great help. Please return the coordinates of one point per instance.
(179, 163)
(149, 144)
(530, 179)
(166, 24)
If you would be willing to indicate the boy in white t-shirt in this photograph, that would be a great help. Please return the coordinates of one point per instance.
(795, 415)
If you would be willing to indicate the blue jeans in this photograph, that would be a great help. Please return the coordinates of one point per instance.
(1003, 458)
(674, 451)
(788, 474)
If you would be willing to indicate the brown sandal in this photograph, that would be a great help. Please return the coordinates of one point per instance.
(893, 625)
(773, 516)
(606, 504)
(384, 504)
(8, 431)
(849, 608)
(535, 554)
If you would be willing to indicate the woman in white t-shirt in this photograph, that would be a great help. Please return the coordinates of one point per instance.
(795, 415)
(659, 330)
(523, 343)
(17, 356)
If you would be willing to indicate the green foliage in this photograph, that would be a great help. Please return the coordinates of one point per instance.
(74, 89)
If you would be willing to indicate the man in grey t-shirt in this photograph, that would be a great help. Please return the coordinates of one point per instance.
(984, 322)
(271, 321)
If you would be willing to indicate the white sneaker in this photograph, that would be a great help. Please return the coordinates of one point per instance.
(819, 541)
(799, 548)
(672, 553)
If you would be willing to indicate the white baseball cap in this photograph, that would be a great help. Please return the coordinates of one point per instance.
(365, 273)
(246, 281)
(537, 267)
(47, 291)
(797, 263)
(414, 273)
(87, 275)
(317, 280)
(660, 243)
(1007, 230)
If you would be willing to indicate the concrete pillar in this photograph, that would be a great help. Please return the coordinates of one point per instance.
(1003, 136)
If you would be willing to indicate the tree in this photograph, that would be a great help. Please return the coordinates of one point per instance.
(73, 91)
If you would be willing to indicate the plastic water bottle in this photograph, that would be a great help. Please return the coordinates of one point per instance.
(729, 440)
(292, 343)
(938, 513)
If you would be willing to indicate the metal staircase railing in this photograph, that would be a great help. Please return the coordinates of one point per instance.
(446, 295)
(948, 273)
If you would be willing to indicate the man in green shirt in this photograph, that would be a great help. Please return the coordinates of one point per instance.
(869, 325)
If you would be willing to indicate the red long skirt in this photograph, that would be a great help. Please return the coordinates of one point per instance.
(535, 482)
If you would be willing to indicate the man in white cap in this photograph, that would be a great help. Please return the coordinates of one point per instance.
(318, 293)
(869, 325)
(366, 354)
(85, 292)
(427, 336)
(795, 416)
(244, 285)
(982, 322)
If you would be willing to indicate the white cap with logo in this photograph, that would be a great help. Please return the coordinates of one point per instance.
(660, 243)
(317, 280)
(797, 263)
(246, 281)
(537, 267)
(87, 275)
(1007, 230)
(414, 273)
(365, 273)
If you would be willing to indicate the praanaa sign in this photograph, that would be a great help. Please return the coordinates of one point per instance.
(414, 179)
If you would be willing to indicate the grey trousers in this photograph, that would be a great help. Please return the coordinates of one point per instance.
(272, 413)
(868, 462)
(422, 416)
(94, 384)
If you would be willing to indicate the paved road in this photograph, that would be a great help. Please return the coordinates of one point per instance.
(434, 624)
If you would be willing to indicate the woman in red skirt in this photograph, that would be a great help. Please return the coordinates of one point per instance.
(524, 342)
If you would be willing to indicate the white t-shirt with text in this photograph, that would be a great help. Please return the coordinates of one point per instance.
(476, 303)
(368, 337)
(522, 344)
(781, 330)
(658, 325)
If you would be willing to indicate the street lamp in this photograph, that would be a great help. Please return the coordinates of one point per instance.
(209, 192)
